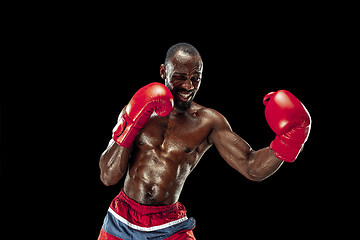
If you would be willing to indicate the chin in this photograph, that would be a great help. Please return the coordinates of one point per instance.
(183, 106)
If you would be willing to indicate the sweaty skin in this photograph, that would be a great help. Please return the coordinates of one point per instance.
(167, 149)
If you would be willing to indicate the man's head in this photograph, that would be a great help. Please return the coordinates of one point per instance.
(182, 73)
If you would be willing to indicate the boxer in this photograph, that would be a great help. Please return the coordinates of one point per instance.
(160, 137)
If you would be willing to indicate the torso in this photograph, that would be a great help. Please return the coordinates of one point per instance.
(165, 151)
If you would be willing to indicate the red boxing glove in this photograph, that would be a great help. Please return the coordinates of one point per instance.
(154, 96)
(291, 122)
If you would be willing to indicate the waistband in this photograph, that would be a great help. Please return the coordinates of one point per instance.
(128, 219)
(146, 209)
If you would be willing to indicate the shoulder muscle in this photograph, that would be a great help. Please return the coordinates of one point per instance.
(218, 122)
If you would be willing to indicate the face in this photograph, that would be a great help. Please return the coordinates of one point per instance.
(183, 77)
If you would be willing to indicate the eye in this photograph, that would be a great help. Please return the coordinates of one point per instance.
(180, 77)
(195, 79)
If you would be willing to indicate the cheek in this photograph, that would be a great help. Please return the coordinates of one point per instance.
(174, 83)
(169, 84)
(197, 85)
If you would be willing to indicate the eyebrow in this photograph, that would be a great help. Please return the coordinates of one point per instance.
(180, 73)
(196, 72)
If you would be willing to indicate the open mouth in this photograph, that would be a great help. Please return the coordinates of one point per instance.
(185, 96)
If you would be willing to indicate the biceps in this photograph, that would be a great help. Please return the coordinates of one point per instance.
(233, 149)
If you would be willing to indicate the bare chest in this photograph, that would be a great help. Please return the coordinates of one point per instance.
(175, 135)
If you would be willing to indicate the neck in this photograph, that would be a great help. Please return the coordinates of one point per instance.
(177, 111)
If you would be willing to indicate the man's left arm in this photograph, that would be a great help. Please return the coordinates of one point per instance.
(254, 165)
(287, 117)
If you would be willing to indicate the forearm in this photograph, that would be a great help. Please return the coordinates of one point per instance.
(113, 163)
(262, 164)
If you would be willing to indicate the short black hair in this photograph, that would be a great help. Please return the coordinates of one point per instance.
(184, 47)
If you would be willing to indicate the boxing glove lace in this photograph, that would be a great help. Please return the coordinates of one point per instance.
(152, 97)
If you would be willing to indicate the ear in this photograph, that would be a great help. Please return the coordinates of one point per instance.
(163, 71)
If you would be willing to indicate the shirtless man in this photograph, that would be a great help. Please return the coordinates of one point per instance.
(161, 136)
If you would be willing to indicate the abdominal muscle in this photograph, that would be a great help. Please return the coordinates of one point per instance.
(155, 181)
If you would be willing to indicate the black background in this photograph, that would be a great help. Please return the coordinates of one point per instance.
(66, 78)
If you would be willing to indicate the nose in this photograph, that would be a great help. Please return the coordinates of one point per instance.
(188, 85)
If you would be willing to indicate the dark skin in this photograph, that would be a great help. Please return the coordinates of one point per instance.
(167, 149)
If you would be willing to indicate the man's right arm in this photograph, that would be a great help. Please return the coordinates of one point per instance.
(114, 160)
(113, 163)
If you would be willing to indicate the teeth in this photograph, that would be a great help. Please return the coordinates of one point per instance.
(185, 95)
